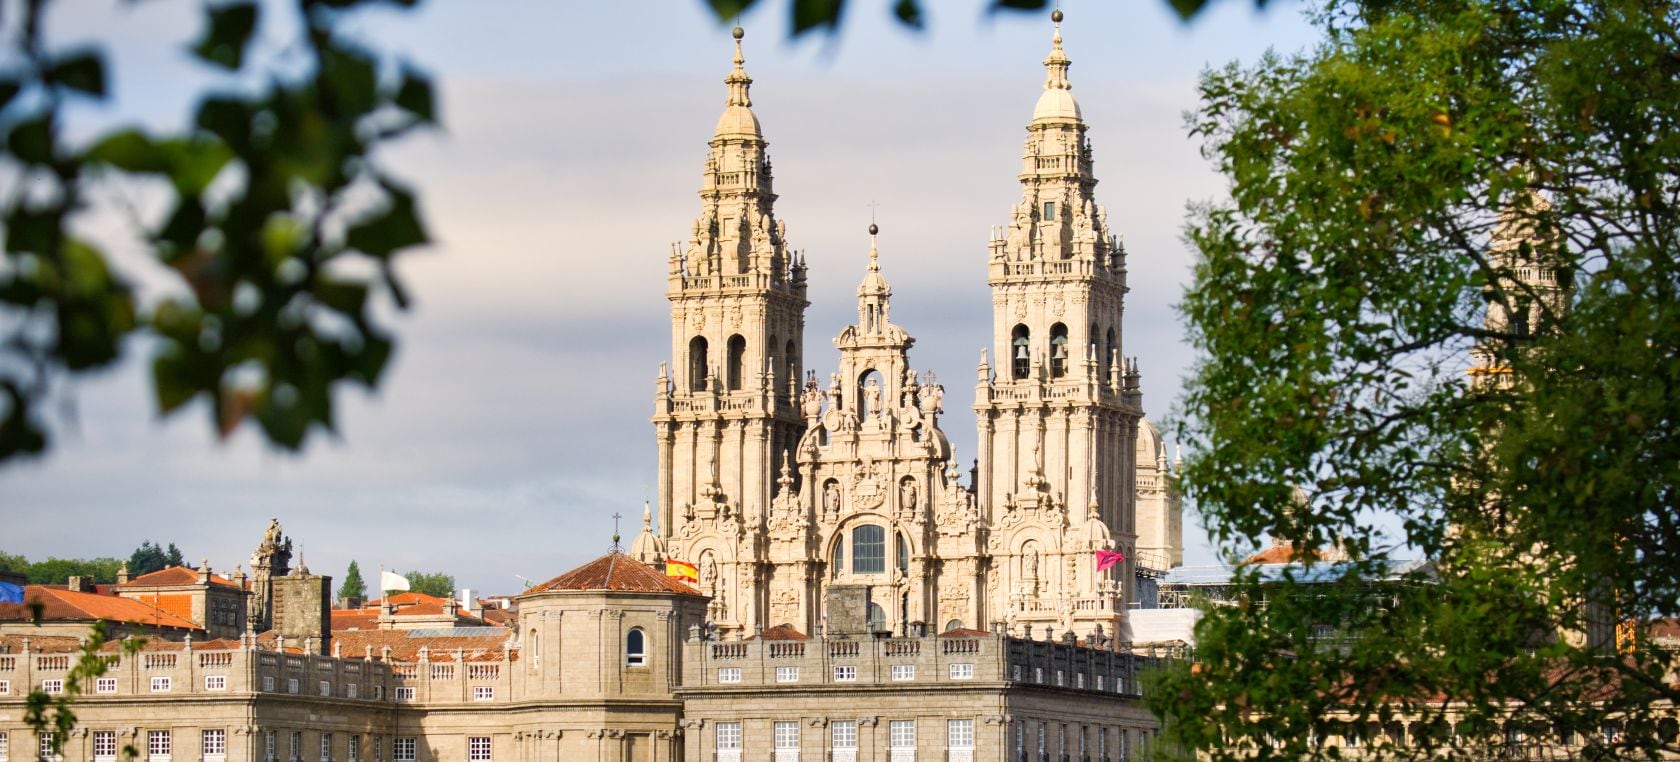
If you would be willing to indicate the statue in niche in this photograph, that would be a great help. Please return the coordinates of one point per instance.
(1031, 564)
(831, 500)
(872, 397)
(708, 574)
(907, 495)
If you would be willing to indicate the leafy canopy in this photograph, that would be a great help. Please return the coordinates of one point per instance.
(1340, 308)
(435, 584)
(354, 586)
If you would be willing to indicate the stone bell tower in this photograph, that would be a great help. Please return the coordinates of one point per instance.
(1059, 411)
(725, 409)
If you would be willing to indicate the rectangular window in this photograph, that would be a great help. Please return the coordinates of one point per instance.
(405, 693)
(845, 673)
(161, 684)
(843, 734)
(1079, 679)
(214, 744)
(728, 736)
(478, 749)
(268, 683)
(378, 749)
(1015, 672)
(1049, 210)
(5, 746)
(5, 687)
(959, 735)
(104, 745)
(159, 745)
(402, 750)
(269, 754)
(326, 688)
(215, 682)
(52, 687)
(484, 693)
(787, 674)
(962, 671)
(354, 753)
(326, 747)
(1060, 679)
(378, 692)
(787, 735)
(291, 685)
(46, 747)
(1099, 682)
(297, 745)
(729, 675)
(903, 671)
(350, 690)
(869, 549)
(901, 734)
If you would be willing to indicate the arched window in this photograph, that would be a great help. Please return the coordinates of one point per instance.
(954, 624)
(533, 646)
(839, 557)
(1094, 350)
(877, 617)
(1109, 354)
(869, 549)
(791, 357)
(635, 648)
(697, 364)
(903, 554)
(737, 356)
(1020, 352)
(1058, 350)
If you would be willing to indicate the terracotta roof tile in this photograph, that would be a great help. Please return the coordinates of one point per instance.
(405, 645)
(1284, 554)
(67, 605)
(964, 632)
(174, 575)
(781, 632)
(616, 572)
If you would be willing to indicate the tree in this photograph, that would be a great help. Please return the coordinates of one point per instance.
(437, 584)
(57, 571)
(149, 558)
(354, 586)
(1400, 199)
(281, 229)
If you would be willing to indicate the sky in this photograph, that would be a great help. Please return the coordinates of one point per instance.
(514, 421)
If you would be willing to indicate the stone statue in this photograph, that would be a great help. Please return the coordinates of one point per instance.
(907, 495)
(831, 499)
(872, 395)
(1031, 562)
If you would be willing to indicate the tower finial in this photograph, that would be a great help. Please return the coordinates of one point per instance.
(1058, 62)
(616, 517)
(738, 80)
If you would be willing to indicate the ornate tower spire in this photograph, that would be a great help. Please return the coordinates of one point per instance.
(727, 409)
(1059, 412)
(873, 293)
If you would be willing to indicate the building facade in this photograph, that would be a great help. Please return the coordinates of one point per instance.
(777, 481)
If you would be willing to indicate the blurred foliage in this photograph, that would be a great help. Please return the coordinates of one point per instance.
(825, 15)
(1338, 303)
(434, 584)
(281, 227)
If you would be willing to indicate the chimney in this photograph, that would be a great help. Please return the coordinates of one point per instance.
(204, 571)
(469, 602)
(80, 584)
(122, 574)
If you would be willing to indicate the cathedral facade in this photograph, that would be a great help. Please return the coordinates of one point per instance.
(780, 482)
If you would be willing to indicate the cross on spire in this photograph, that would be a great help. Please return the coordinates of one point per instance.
(616, 517)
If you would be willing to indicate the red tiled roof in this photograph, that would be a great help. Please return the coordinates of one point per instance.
(781, 632)
(615, 572)
(964, 632)
(408, 599)
(355, 619)
(64, 605)
(174, 575)
(354, 644)
(1284, 554)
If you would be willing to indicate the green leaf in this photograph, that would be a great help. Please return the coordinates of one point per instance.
(129, 150)
(173, 379)
(83, 71)
(194, 162)
(228, 34)
(1187, 9)
(397, 226)
(350, 78)
(1017, 5)
(414, 95)
(729, 10)
(32, 141)
(909, 12)
(9, 88)
(811, 14)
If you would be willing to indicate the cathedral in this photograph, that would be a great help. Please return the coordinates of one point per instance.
(784, 477)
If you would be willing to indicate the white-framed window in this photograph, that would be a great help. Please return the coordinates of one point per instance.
(215, 682)
(378, 693)
(484, 693)
(354, 752)
(1079, 679)
(378, 749)
(729, 736)
(405, 693)
(52, 687)
(269, 754)
(162, 684)
(297, 745)
(326, 747)
(635, 648)
(962, 671)
(729, 675)
(478, 749)
(786, 735)
(1015, 672)
(402, 750)
(1099, 682)
(325, 688)
(268, 683)
(159, 745)
(351, 689)
(842, 734)
(214, 744)
(959, 735)
(5, 746)
(787, 674)
(901, 734)
(104, 745)
(1038, 675)
(1061, 678)
(291, 685)
(46, 748)
(903, 672)
(5, 687)
(845, 673)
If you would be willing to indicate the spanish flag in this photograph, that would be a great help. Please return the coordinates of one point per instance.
(681, 570)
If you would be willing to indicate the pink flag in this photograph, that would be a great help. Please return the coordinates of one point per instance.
(1107, 558)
